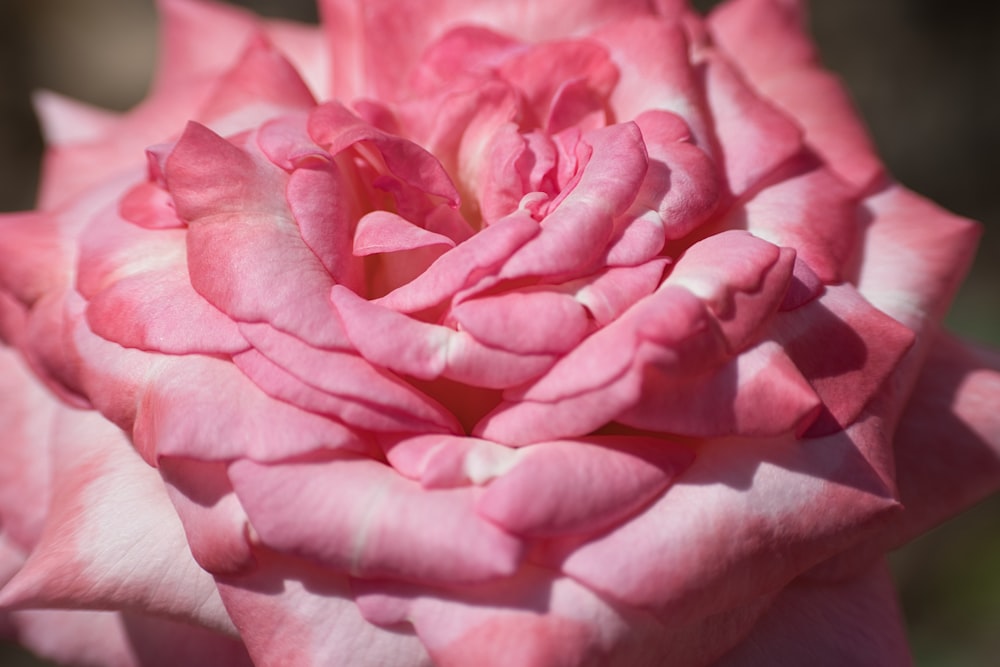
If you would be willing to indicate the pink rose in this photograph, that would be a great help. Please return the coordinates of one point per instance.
(478, 333)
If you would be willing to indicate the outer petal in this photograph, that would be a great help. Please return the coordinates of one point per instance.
(855, 622)
(708, 543)
(292, 613)
(370, 522)
(124, 639)
(768, 38)
(97, 549)
(947, 449)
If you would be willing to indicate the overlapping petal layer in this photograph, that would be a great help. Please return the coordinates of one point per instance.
(472, 333)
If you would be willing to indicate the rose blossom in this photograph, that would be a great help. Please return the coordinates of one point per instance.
(471, 333)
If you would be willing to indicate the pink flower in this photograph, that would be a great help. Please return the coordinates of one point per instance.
(475, 333)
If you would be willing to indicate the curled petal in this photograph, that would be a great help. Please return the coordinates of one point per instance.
(468, 263)
(741, 279)
(427, 351)
(575, 233)
(538, 322)
(236, 210)
(581, 486)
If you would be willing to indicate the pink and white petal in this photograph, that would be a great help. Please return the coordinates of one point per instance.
(947, 448)
(708, 544)
(575, 234)
(293, 613)
(948, 440)
(262, 84)
(383, 231)
(741, 279)
(528, 322)
(159, 311)
(766, 37)
(810, 209)
(199, 40)
(371, 397)
(97, 549)
(204, 408)
(37, 259)
(609, 293)
(68, 121)
(368, 521)
(245, 252)
(538, 618)
(281, 384)
(913, 256)
(769, 39)
(123, 639)
(25, 464)
(758, 393)
(364, 69)
(754, 137)
(665, 83)
(601, 378)
(851, 622)
(862, 347)
(445, 461)
(682, 185)
(408, 346)
(214, 521)
(336, 128)
(581, 486)
(465, 265)
(306, 48)
(469, 131)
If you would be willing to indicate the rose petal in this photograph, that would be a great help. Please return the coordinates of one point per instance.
(97, 550)
(769, 40)
(855, 622)
(708, 544)
(427, 351)
(290, 612)
(243, 244)
(581, 486)
(370, 522)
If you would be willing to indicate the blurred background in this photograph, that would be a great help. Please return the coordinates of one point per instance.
(925, 75)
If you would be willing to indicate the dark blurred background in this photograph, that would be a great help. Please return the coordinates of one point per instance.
(925, 75)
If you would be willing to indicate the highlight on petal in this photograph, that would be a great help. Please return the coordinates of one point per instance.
(97, 550)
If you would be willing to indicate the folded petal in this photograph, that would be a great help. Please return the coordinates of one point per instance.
(291, 613)
(708, 543)
(243, 243)
(204, 408)
(370, 522)
(862, 347)
(427, 351)
(769, 39)
(852, 622)
(581, 486)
